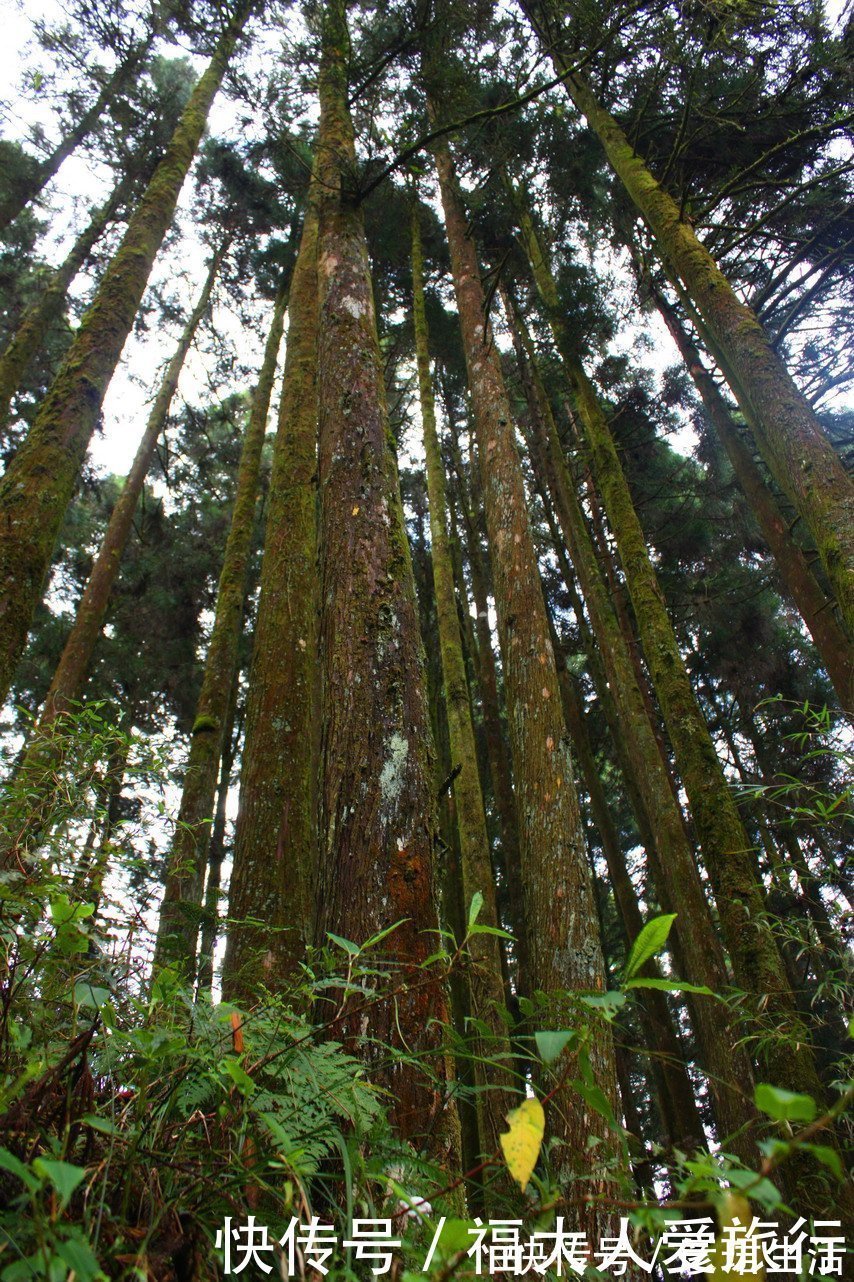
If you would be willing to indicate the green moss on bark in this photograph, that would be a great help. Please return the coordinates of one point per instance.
(671, 858)
(564, 947)
(179, 913)
(274, 838)
(376, 814)
(793, 445)
(485, 976)
(37, 486)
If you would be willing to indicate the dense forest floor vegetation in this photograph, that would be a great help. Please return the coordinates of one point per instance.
(426, 640)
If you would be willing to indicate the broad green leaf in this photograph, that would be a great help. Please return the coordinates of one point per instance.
(238, 1075)
(86, 994)
(456, 1236)
(521, 1144)
(475, 907)
(597, 1100)
(609, 1002)
(102, 1124)
(62, 1175)
(784, 1106)
(478, 929)
(650, 941)
(62, 909)
(761, 1190)
(551, 1044)
(346, 944)
(670, 986)
(383, 934)
(9, 1162)
(78, 1257)
(828, 1157)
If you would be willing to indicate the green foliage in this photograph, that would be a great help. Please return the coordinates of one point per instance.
(650, 941)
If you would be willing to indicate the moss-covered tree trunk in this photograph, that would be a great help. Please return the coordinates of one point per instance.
(177, 933)
(69, 678)
(376, 813)
(723, 839)
(671, 858)
(216, 851)
(37, 486)
(274, 838)
(41, 172)
(485, 978)
(75, 661)
(48, 306)
(564, 946)
(496, 745)
(675, 1093)
(798, 455)
(834, 647)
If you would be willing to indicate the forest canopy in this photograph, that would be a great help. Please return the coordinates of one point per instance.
(426, 639)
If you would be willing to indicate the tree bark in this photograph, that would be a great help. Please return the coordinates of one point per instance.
(275, 832)
(723, 839)
(674, 1089)
(796, 451)
(564, 945)
(672, 861)
(216, 851)
(70, 674)
(177, 933)
(376, 808)
(37, 486)
(836, 651)
(486, 985)
(69, 678)
(496, 743)
(44, 310)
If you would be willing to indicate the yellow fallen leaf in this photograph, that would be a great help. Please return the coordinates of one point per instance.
(733, 1210)
(521, 1144)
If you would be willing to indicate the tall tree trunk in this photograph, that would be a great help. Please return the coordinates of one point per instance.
(675, 1092)
(74, 663)
(452, 912)
(798, 455)
(496, 745)
(216, 851)
(723, 839)
(564, 944)
(484, 972)
(179, 912)
(376, 808)
(42, 171)
(69, 678)
(834, 647)
(274, 836)
(37, 486)
(48, 306)
(722, 836)
(672, 861)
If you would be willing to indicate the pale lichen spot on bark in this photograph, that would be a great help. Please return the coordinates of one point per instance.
(328, 263)
(391, 775)
(354, 308)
